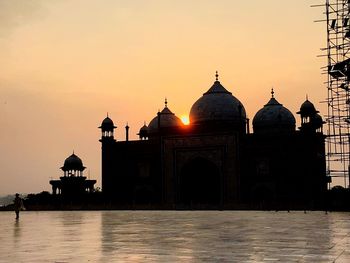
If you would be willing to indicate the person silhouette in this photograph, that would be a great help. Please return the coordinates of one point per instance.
(18, 205)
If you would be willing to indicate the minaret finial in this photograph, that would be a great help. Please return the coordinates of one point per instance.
(216, 76)
(272, 93)
(166, 103)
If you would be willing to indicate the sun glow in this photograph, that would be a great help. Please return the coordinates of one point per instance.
(185, 120)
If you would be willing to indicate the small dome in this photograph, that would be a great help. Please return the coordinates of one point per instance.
(73, 163)
(273, 117)
(307, 109)
(107, 124)
(143, 133)
(167, 120)
(217, 104)
(144, 128)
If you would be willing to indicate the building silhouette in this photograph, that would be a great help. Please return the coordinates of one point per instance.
(216, 161)
(73, 182)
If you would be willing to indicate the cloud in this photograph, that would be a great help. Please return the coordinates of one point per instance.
(14, 13)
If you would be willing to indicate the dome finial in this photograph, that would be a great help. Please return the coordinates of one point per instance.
(307, 97)
(216, 76)
(272, 93)
(166, 103)
(107, 114)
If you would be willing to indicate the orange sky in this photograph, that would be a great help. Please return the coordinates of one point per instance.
(65, 64)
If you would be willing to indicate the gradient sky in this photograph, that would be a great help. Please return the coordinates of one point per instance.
(65, 64)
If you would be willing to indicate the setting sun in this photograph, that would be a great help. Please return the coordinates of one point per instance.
(185, 120)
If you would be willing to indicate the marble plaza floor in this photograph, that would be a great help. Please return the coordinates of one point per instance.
(175, 236)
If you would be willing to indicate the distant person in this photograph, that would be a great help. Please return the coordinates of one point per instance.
(18, 205)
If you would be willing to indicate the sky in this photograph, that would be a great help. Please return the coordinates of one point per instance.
(65, 63)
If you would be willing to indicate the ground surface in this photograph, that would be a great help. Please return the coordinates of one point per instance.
(175, 236)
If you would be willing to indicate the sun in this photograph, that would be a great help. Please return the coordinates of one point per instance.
(185, 120)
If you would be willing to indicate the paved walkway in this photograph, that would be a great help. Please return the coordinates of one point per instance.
(174, 236)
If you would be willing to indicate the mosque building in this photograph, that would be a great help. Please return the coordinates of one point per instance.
(216, 161)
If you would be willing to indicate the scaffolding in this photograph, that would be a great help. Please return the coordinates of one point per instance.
(338, 100)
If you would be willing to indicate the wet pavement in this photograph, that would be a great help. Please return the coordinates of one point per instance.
(175, 236)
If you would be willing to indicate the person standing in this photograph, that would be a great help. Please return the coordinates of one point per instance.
(18, 205)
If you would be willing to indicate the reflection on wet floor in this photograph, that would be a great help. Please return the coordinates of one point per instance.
(175, 236)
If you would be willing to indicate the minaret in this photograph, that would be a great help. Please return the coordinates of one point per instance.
(311, 121)
(107, 128)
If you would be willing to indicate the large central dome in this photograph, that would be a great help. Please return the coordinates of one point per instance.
(217, 104)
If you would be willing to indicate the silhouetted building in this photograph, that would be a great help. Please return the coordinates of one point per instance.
(73, 182)
(215, 162)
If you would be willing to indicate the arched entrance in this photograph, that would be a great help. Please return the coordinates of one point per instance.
(199, 183)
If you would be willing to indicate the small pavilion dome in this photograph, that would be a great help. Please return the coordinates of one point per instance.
(167, 119)
(143, 133)
(273, 117)
(73, 163)
(217, 104)
(107, 124)
(307, 109)
(144, 128)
